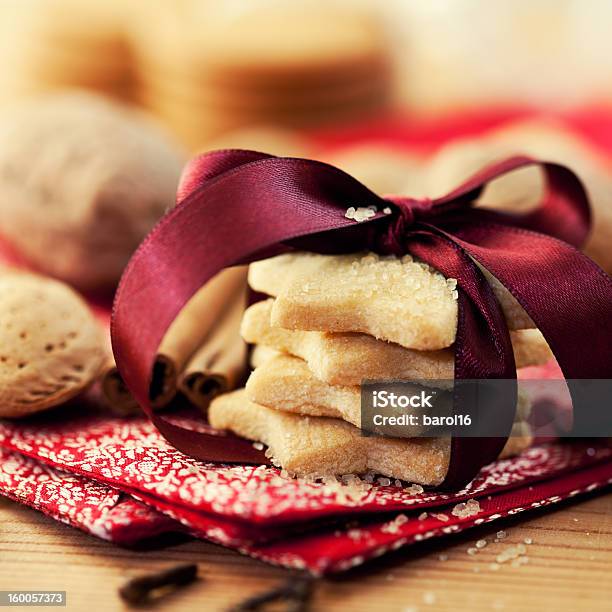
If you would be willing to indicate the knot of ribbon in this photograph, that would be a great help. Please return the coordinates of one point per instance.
(391, 241)
(236, 206)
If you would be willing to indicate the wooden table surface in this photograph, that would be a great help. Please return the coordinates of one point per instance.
(569, 567)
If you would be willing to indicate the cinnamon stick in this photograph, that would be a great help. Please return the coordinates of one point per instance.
(201, 315)
(218, 365)
(120, 401)
(143, 589)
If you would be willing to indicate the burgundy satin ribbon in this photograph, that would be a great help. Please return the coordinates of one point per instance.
(239, 206)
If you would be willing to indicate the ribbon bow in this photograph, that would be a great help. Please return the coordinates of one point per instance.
(238, 206)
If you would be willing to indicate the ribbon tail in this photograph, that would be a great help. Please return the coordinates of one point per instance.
(483, 350)
(542, 272)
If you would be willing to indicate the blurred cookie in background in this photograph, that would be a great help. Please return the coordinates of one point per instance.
(83, 180)
(461, 158)
(545, 139)
(455, 55)
(67, 43)
(206, 68)
(267, 139)
(383, 168)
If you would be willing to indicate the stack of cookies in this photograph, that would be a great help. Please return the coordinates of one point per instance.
(334, 321)
(206, 68)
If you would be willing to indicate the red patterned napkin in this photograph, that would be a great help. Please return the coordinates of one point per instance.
(80, 502)
(562, 471)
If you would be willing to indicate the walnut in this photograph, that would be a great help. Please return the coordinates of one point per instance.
(82, 181)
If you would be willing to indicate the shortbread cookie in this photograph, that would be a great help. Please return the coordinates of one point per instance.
(399, 300)
(260, 354)
(318, 446)
(51, 345)
(517, 191)
(520, 438)
(82, 181)
(315, 446)
(59, 44)
(272, 140)
(287, 383)
(290, 46)
(393, 299)
(246, 101)
(349, 358)
(384, 169)
(209, 70)
(530, 348)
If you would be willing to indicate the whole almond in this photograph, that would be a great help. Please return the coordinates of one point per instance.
(51, 347)
(82, 181)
